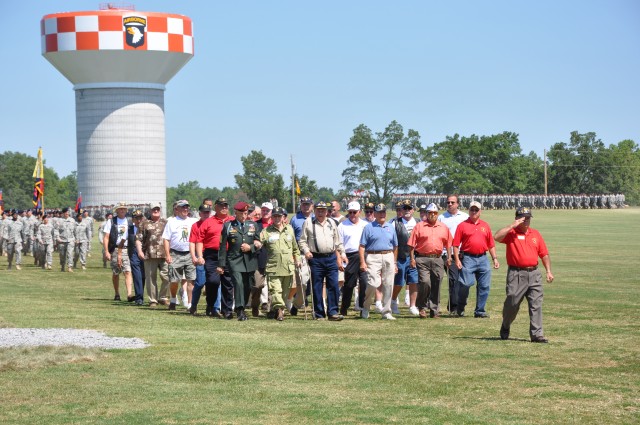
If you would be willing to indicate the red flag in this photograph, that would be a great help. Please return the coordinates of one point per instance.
(79, 202)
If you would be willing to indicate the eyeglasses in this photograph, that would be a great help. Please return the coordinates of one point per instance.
(451, 202)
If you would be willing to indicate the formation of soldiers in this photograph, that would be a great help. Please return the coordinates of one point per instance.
(509, 202)
(39, 234)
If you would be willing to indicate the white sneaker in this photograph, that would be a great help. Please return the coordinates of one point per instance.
(356, 307)
(414, 310)
(288, 304)
(364, 313)
(407, 300)
(394, 307)
(378, 306)
(388, 316)
(185, 299)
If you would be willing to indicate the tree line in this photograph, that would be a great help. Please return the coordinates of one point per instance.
(392, 161)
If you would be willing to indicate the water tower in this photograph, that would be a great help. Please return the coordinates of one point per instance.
(119, 61)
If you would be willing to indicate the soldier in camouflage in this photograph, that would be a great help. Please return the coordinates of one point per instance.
(44, 236)
(64, 236)
(83, 238)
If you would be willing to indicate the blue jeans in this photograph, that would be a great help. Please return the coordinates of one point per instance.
(137, 273)
(198, 284)
(474, 269)
(321, 269)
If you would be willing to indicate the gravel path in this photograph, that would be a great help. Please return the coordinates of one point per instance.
(17, 337)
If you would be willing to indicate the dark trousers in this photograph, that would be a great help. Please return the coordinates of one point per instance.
(137, 273)
(325, 268)
(242, 284)
(353, 276)
(215, 281)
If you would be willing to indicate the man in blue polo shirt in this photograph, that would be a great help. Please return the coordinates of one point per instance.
(378, 257)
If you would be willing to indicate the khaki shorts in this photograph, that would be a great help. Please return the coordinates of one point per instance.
(181, 267)
(126, 264)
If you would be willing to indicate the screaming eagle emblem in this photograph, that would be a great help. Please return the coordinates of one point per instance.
(135, 28)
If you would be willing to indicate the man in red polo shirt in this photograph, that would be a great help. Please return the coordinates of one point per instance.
(207, 246)
(473, 236)
(427, 241)
(524, 246)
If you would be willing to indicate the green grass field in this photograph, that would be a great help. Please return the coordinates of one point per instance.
(441, 371)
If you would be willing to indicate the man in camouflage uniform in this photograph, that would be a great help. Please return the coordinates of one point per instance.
(27, 232)
(149, 241)
(44, 236)
(83, 238)
(13, 236)
(64, 236)
(86, 217)
(4, 220)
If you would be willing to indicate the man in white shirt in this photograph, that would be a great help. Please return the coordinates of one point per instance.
(116, 232)
(451, 218)
(176, 247)
(350, 232)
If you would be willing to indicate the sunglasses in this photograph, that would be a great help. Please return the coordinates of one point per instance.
(354, 212)
(368, 211)
(406, 207)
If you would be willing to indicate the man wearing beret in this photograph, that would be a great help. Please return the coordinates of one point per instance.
(238, 244)
(524, 246)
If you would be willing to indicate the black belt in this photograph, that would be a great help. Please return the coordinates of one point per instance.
(380, 252)
(321, 255)
(417, 254)
(179, 252)
(484, 254)
(354, 253)
(523, 269)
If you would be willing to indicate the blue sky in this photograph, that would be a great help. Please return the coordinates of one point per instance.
(296, 77)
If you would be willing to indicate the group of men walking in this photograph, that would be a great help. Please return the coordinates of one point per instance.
(360, 261)
(23, 233)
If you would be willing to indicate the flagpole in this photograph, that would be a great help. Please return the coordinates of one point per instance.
(293, 186)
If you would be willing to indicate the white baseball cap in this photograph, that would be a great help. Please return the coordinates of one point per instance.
(353, 206)
(267, 205)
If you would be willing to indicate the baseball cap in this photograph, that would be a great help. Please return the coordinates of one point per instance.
(137, 213)
(432, 207)
(279, 211)
(353, 206)
(322, 204)
(222, 201)
(267, 205)
(121, 205)
(369, 206)
(241, 206)
(380, 207)
(407, 204)
(204, 208)
(475, 204)
(182, 203)
(155, 205)
(523, 212)
(306, 200)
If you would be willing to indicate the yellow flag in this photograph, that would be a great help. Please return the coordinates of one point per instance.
(297, 188)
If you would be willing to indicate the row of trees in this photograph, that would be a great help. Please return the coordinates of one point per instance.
(391, 161)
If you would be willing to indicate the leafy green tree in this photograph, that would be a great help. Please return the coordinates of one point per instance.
(382, 164)
(482, 164)
(260, 180)
(624, 175)
(578, 166)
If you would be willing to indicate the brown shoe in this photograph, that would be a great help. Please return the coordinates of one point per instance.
(164, 301)
(153, 305)
(280, 315)
(70, 270)
(336, 318)
(423, 313)
(255, 311)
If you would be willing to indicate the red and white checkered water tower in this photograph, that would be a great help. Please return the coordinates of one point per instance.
(119, 61)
